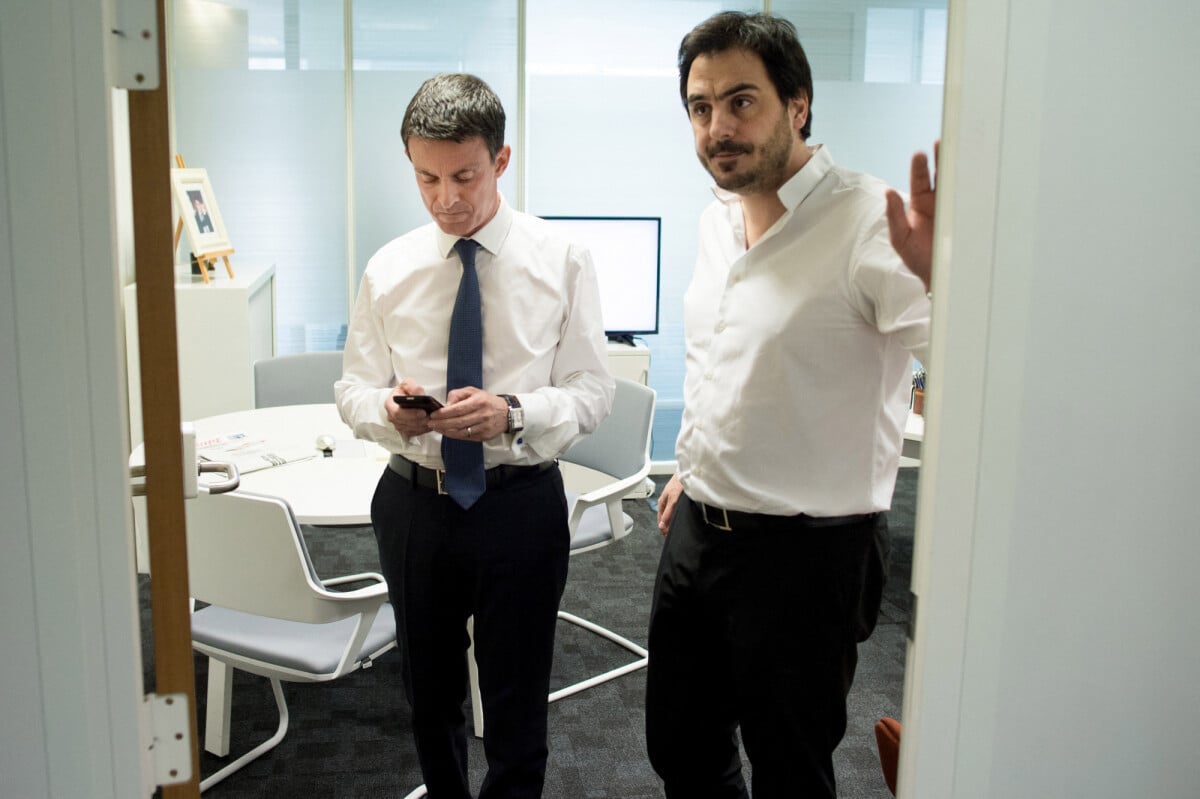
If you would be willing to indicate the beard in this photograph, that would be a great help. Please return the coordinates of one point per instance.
(770, 171)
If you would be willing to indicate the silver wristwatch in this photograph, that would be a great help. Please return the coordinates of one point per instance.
(516, 414)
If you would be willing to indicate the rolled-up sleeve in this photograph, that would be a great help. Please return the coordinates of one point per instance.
(581, 389)
(367, 373)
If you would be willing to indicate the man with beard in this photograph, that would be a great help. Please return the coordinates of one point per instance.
(800, 324)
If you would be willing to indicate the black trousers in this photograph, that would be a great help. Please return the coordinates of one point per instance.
(759, 630)
(505, 562)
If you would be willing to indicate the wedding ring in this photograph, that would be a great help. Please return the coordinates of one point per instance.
(468, 431)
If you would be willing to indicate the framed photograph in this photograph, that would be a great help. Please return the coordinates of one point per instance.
(197, 208)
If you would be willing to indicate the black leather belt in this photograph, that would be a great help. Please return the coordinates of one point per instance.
(740, 521)
(435, 478)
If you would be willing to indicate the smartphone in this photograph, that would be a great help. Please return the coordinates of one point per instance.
(422, 402)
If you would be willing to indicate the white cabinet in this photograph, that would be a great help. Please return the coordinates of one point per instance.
(223, 327)
(631, 361)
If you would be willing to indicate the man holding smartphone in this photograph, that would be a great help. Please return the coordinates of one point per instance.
(497, 319)
(800, 324)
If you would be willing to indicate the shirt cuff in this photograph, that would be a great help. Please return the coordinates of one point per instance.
(537, 412)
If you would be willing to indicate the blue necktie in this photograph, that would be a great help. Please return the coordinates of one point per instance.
(465, 481)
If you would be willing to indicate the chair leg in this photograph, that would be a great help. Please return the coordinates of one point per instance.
(473, 674)
(561, 693)
(218, 708)
(620, 640)
(259, 750)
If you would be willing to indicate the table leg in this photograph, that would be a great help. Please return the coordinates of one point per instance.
(219, 708)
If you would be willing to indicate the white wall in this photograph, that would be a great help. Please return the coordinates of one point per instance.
(1058, 645)
(70, 661)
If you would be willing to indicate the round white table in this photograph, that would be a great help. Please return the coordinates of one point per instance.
(321, 490)
(328, 491)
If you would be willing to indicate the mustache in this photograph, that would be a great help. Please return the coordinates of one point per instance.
(728, 147)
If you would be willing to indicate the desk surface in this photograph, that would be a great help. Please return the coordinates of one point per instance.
(321, 490)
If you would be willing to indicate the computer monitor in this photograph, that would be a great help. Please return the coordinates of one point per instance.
(625, 251)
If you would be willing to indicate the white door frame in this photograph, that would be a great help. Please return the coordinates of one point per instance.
(958, 394)
(71, 660)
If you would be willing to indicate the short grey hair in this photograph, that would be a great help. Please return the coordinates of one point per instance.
(455, 107)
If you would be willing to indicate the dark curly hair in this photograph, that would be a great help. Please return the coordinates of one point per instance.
(773, 39)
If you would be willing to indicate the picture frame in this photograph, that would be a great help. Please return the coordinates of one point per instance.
(196, 206)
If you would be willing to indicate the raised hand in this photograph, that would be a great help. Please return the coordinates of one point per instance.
(912, 229)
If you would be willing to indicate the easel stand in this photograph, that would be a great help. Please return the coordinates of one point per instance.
(205, 260)
(209, 260)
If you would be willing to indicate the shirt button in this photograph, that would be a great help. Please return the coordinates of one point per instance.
(720, 327)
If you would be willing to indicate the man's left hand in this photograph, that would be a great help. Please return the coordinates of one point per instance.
(912, 232)
(471, 414)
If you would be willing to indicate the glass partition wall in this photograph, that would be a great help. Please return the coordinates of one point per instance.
(302, 143)
(294, 108)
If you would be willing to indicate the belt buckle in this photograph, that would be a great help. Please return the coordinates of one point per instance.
(441, 482)
(724, 525)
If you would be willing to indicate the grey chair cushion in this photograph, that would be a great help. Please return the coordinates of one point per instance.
(314, 648)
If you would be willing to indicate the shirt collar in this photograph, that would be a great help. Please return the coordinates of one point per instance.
(490, 237)
(798, 186)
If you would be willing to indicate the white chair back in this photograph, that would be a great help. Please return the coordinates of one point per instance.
(620, 445)
(304, 378)
(246, 552)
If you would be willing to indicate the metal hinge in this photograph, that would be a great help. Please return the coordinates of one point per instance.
(133, 28)
(910, 628)
(170, 747)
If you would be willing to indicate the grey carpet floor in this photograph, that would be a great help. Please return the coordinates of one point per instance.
(351, 738)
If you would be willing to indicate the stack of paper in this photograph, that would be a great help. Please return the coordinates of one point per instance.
(250, 453)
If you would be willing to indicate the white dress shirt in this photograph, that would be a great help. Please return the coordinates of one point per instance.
(799, 352)
(543, 337)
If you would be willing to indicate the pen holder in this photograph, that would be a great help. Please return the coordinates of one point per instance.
(918, 401)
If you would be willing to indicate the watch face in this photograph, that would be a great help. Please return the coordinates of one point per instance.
(516, 419)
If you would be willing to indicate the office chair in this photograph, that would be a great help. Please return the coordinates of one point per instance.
(887, 738)
(619, 451)
(305, 378)
(269, 613)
